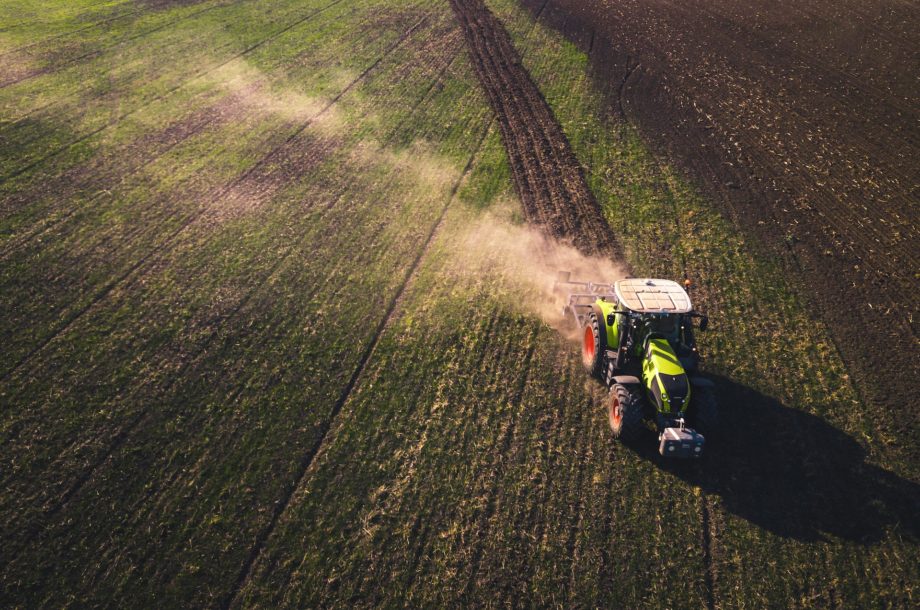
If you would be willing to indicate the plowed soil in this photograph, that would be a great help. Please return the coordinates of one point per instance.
(546, 173)
(801, 120)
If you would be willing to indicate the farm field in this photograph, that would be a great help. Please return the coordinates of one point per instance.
(801, 121)
(276, 330)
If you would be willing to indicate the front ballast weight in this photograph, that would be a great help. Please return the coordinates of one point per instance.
(637, 337)
(681, 442)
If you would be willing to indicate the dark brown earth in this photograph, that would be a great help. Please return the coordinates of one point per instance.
(801, 120)
(546, 173)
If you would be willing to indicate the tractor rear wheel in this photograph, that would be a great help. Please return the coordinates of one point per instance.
(625, 412)
(593, 346)
(705, 411)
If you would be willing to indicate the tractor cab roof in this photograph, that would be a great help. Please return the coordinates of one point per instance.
(647, 295)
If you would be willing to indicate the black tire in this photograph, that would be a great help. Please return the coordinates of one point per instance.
(593, 345)
(624, 410)
(705, 411)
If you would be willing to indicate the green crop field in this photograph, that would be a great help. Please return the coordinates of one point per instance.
(275, 333)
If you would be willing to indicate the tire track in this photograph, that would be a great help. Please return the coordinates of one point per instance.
(189, 221)
(63, 104)
(119, 439)
(547, 176)
(421, 539)
(306, 461)
(61, 15)
(165, 94)
(214, 116)
(73, 60)
(499, 467)
(68, 33)
(144, 416)
(124, 163)
(708, 535)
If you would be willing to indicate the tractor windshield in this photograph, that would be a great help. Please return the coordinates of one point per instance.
(663, 324)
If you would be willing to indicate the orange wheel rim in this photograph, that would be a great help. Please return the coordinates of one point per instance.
(588, 349)
(616, 415)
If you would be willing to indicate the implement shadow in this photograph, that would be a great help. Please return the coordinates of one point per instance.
(794, 474)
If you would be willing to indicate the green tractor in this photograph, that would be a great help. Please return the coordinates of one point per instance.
(637, 337)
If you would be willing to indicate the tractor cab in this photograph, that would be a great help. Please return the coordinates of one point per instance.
(656, 309)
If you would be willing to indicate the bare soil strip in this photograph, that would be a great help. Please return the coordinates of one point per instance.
(548, 178)
(546, 173)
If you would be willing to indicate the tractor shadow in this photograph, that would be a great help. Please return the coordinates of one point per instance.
(793, 474)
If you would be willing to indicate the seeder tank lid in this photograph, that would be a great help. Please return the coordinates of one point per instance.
(646, 295)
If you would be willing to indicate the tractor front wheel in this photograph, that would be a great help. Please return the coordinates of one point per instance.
(625, 412)
(593, 346)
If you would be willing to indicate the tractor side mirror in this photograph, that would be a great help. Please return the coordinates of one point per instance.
(611, 319)
(704, 322)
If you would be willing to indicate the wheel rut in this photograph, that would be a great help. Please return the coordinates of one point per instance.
(193, 78)
(548, 178)
(233, 598)
(267, 159)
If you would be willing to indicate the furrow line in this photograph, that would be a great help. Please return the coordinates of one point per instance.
(39, 22)
(538, 150)
(420, 540)
(106, 289)
(707, 539)
(547, 162)
(57, 104)
(516, 135)
(424, 97)
(44, 226)
(307, 460)
(501, 464)
(120, 438)
(179, 375)
(120, 43)
(166, 93)
(71, 32)
(538, 155)
(572, 186)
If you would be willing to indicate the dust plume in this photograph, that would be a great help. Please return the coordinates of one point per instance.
(529, 263)
(253, 90)
(417, 164)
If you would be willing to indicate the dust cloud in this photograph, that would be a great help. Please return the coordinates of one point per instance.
(529, 262)
(251, 89)
(417, 164)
